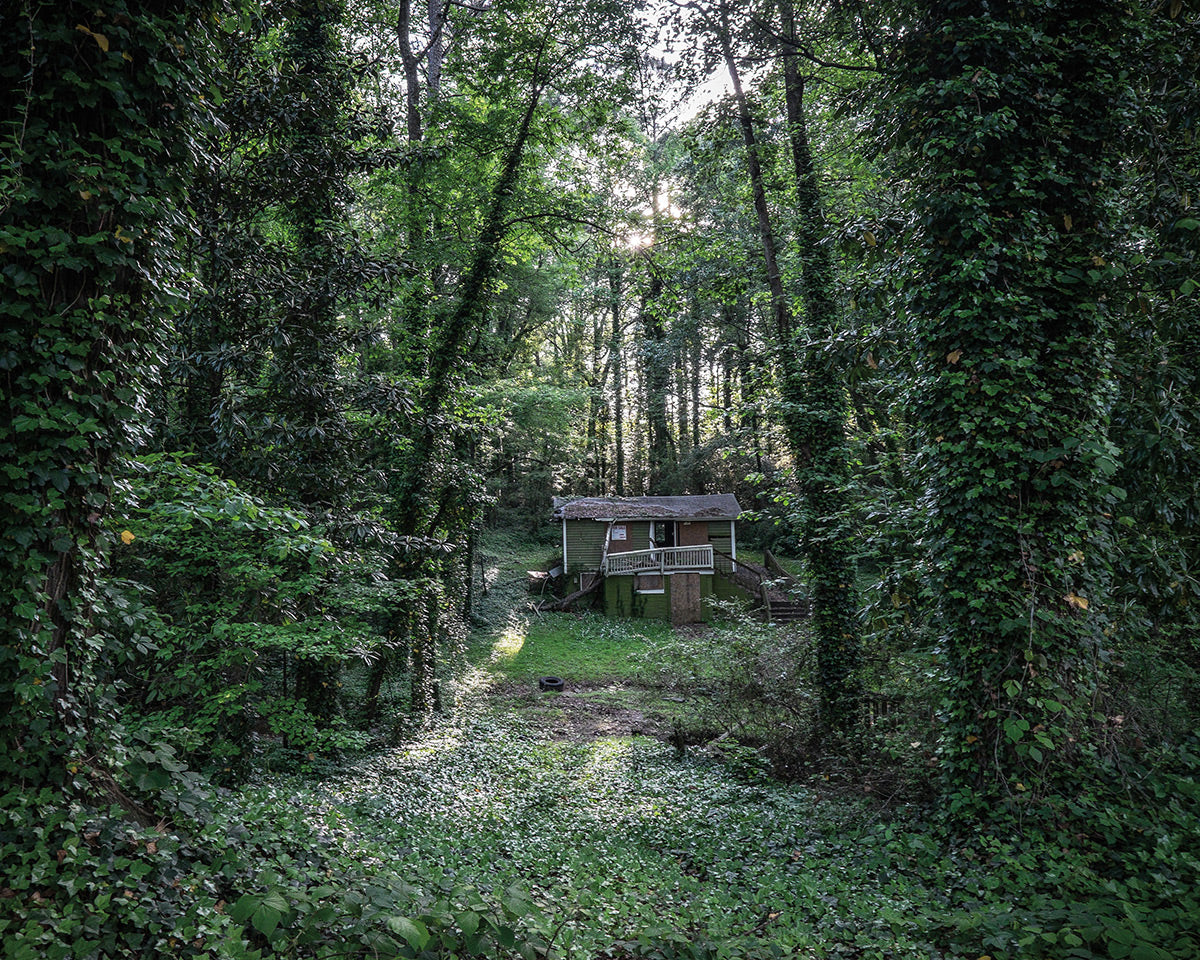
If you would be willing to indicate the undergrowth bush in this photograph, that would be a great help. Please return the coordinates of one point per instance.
(235, 618)
(249, 877)
(742, 678)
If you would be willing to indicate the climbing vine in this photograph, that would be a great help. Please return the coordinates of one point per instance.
(96, 126)
(1003, 121)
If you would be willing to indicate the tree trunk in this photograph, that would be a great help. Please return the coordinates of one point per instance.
(780, 312)
(656, 370)
(816, 406)
(410, 60)
(616, 345)
(697, 366)
(82, 290)
(408, 507)
(1011, 348)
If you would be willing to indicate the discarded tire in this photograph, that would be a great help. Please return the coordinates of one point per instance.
(553, 684)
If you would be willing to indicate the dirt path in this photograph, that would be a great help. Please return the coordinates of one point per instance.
(582, 712)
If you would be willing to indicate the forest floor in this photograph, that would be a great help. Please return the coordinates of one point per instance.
(615, 841)
(623, 845)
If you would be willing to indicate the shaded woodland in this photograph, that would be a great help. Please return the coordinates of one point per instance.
(303, 301)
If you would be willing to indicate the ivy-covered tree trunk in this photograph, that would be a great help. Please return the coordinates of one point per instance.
(815, 412)
(304, 377)
(615, 347)
(656, 360)
(220, 350)
(1008, 115)
(304, 389)
(411, 483)
(94, 129)
(1156, 414)
(412, 505)
(813, 405)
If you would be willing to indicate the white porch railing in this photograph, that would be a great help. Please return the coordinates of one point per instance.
(660, 560)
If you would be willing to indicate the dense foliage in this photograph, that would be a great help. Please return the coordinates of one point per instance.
(98, 139)
(1006, 264)
(300, 302)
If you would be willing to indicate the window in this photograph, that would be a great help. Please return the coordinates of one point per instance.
(649, 583)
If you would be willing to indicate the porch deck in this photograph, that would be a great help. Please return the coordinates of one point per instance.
(696, 559)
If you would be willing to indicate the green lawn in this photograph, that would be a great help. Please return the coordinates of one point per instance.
(585, 648)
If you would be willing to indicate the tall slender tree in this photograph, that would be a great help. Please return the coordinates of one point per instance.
(815, 412)
(813, 406)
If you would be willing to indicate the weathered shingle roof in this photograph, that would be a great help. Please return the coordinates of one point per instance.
(720, 506)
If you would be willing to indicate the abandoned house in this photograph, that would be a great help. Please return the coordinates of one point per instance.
(661, 557)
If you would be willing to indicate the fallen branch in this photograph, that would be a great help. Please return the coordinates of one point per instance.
(566, 602)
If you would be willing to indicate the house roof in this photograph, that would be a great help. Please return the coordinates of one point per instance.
(720, 506)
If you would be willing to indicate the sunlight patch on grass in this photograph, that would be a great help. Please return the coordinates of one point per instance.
(582, 649)
(604, 759)
(430, 749)
(472, 685)
(479, 677)
(509, 644)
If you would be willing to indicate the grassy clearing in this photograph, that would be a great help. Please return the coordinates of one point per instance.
(584, 648)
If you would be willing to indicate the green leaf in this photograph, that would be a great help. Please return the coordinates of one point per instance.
(1014, 728)
(411, 930)
(265, 919)
(246, 905)
(276, 901)
(506, 937)
(468, 921)
(1117, 934)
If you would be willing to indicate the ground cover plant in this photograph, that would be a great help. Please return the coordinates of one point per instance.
(626, 846)
(497, 831)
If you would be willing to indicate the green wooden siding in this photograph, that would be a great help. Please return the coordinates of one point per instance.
(585, 549)
(622, 600)
(720, 536)
(724, 589)
(585, 546)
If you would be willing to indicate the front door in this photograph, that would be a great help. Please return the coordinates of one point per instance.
(693, 533)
